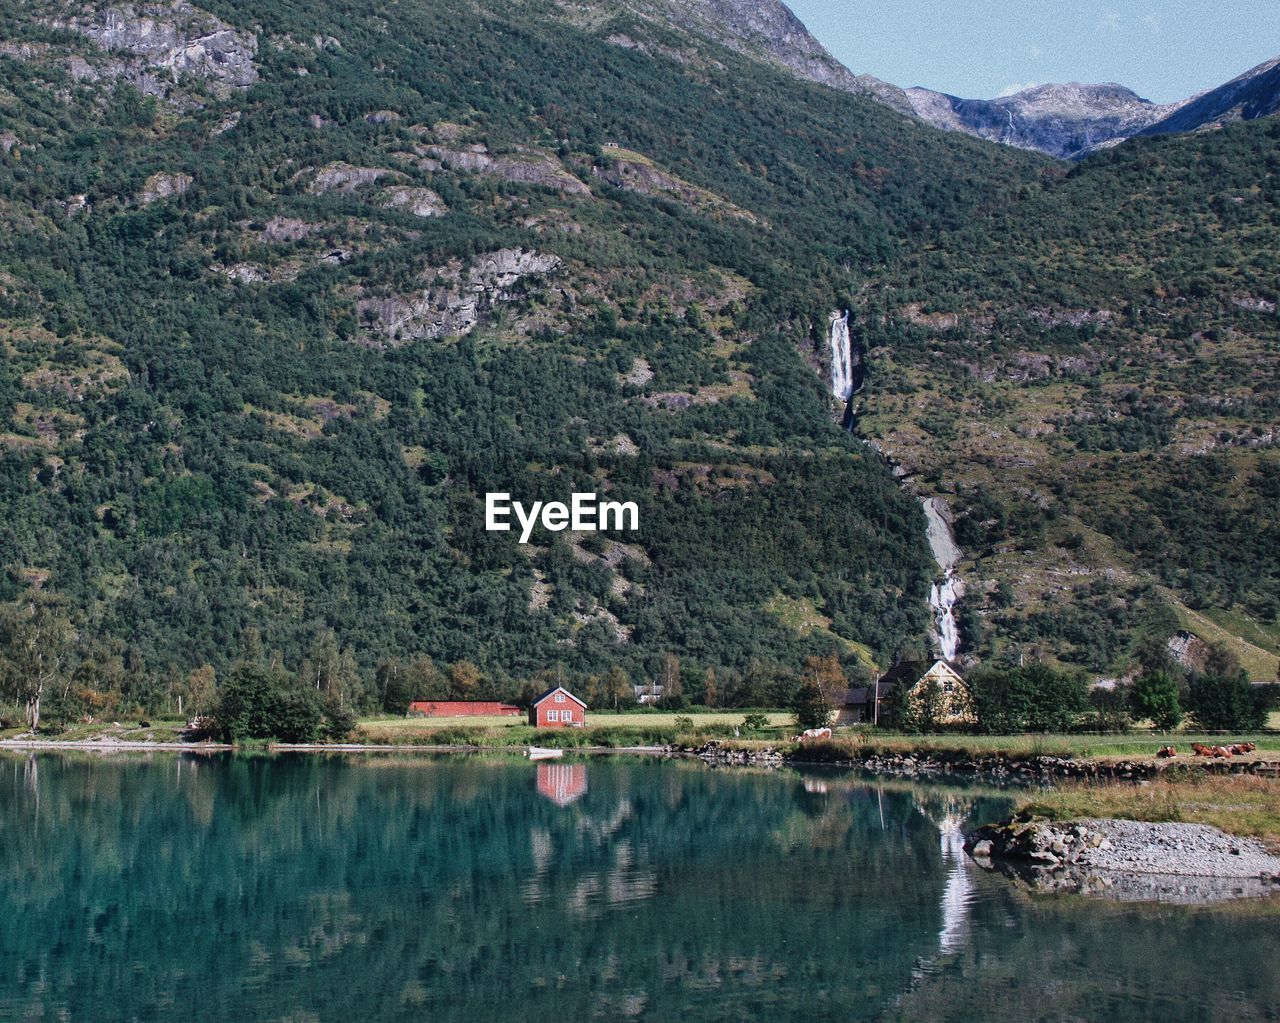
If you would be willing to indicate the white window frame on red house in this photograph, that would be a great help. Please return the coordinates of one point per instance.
(566, 714)
(559, 697)
(553, 715)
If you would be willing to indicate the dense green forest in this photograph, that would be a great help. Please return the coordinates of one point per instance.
(266, 341)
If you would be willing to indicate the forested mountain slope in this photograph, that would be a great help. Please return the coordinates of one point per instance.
(286, 288)
(1095, 369)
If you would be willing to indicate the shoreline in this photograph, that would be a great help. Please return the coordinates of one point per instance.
(1003, 766)
(1126, 860)
(137, 746)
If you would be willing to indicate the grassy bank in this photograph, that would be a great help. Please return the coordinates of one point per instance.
(1238, 804)
(663, 728)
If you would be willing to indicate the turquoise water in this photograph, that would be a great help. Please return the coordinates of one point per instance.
(309, 888)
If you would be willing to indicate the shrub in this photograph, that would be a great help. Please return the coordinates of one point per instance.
(1226, 702)
(810, 706)
(258, 702)
(1155, 695)
(1034, 698)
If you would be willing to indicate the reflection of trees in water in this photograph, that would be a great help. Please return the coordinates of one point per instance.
(1078, 959)
(264, 888)
(311, 885)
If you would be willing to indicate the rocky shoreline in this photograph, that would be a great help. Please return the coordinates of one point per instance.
(1127, 860)
(1000, 766)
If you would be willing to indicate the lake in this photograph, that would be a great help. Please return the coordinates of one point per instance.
(388, 887)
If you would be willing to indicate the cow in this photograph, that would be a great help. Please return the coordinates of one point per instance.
(1220, 753)
(1241, 748)
(1201, 750)
(814, 734)
(1165, 752)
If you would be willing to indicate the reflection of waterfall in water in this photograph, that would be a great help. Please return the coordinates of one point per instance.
(945, 593)
(957, 894)
(841, 357)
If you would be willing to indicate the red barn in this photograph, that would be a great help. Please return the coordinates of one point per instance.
(558, 708)
(462, 709)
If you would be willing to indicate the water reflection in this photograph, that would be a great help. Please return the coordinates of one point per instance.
(562, 783)
(393, 888)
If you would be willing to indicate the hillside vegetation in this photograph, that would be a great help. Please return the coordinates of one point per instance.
(275, 318)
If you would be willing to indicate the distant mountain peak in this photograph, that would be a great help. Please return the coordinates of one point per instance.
(1066, 119)
(1072, 119)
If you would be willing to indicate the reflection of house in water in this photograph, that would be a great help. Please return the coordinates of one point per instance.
(562, 783)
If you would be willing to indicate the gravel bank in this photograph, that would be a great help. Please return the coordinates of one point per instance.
(1127, 860)
(1183, 849)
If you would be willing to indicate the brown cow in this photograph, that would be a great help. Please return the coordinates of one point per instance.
(1201, 750)
(1165, 752)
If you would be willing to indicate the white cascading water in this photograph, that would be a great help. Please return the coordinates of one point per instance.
(958, 893)
(947, 591)
(841, 357)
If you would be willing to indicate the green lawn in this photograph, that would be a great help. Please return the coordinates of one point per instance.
(595, 719)
(1122, 745)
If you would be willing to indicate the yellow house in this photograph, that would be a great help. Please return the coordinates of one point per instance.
(914, 685)
(941, 684)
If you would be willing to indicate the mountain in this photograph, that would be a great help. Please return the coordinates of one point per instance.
(1256, 93)
(765, 29)
(1070, 121)
(1067, 121)
(286, 290)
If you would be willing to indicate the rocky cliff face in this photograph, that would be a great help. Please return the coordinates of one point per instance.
(1067, 121)
(455, 298)
(157, 45)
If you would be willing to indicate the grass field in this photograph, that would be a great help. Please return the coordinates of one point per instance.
(660, 728)
(595, 719)
(1132, 744)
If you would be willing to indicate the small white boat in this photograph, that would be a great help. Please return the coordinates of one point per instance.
(543, 753)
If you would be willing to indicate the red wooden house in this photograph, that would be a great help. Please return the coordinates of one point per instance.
(462, 709)
(558, 708)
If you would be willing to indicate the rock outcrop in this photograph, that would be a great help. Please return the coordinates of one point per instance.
(633, 172)
(453, 304)
(158, 45)
(421, 202)
(525, 165)
(766, 30)
(343, 177)
(163, 186)
(1124, 859)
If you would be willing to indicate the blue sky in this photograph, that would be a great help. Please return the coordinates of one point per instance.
(1162, 49)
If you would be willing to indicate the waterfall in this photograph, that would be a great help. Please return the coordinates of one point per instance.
(841, 357)
(947, 591)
